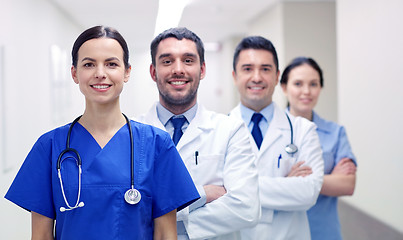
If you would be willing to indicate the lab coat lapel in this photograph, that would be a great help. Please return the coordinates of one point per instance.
(236, 112)
(276, 129)
(197, 126)
(151, 118)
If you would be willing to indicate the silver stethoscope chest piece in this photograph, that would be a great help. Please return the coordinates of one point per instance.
(291, 148)
(132, 196)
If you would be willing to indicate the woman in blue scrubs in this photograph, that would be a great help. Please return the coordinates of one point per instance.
(103, 140)
(302, 82)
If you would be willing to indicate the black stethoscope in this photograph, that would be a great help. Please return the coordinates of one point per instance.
(132, 196)
(291, 148)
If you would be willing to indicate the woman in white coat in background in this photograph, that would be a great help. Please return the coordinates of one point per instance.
(302, 82)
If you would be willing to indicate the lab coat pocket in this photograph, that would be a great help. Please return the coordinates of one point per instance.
(208, 169)
(283, 166)
(267, 215)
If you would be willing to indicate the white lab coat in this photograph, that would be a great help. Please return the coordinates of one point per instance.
(225, 158)
(285, 200)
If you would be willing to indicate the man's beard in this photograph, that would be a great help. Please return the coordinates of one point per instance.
(171, 100)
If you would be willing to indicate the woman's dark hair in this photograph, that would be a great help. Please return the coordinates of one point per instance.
(258, 43)
(100, 32)
(298, 62)
(178, 33)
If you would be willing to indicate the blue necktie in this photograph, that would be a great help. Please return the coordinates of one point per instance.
(256, 132)
(178, 123)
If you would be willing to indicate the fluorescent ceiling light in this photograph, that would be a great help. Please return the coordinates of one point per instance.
(212, 46)
(169, 14)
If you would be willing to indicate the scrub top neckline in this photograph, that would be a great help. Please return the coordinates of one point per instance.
(110, 140)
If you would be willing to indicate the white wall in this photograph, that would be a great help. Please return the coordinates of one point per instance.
(28, 30)
(310, 30)
(370, 50)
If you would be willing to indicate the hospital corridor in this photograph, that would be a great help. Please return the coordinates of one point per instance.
(358, 45)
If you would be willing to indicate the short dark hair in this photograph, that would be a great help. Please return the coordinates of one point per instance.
(178, 33)
(100, 32)
(298, 61)
(255, 42)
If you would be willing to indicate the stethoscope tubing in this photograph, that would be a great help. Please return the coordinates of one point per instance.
(291, 128)
(79, 164)
(68, 149)
(291, 148)
(131, 151)
(62, 209)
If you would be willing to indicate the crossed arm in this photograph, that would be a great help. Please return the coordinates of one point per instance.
(214, 192)
(340, 182)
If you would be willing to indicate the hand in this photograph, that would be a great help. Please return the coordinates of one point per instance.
(299, 171)
(345, 167)
(213, 192)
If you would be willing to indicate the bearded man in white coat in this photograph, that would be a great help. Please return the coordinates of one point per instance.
(215, 148)
(289, 183)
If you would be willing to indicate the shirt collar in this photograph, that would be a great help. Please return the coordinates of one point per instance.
(267, 113)
(164, 114)
(319, 122)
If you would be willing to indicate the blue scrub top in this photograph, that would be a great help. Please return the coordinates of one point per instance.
(323, 216)
(159, 175)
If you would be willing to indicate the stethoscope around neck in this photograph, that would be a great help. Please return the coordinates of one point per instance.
(291, 148)
(131, 196)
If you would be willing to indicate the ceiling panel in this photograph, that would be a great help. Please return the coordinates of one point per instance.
(212, 20)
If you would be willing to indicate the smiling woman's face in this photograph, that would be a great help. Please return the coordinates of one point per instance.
(100, 70)
(302, 90)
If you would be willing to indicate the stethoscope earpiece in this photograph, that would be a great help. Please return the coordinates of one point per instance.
(63, 209)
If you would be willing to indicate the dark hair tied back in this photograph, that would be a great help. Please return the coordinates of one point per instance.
(100, 32)
(298, 61)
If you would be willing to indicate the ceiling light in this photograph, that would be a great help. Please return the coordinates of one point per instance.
(212, 46)
(169, 14)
